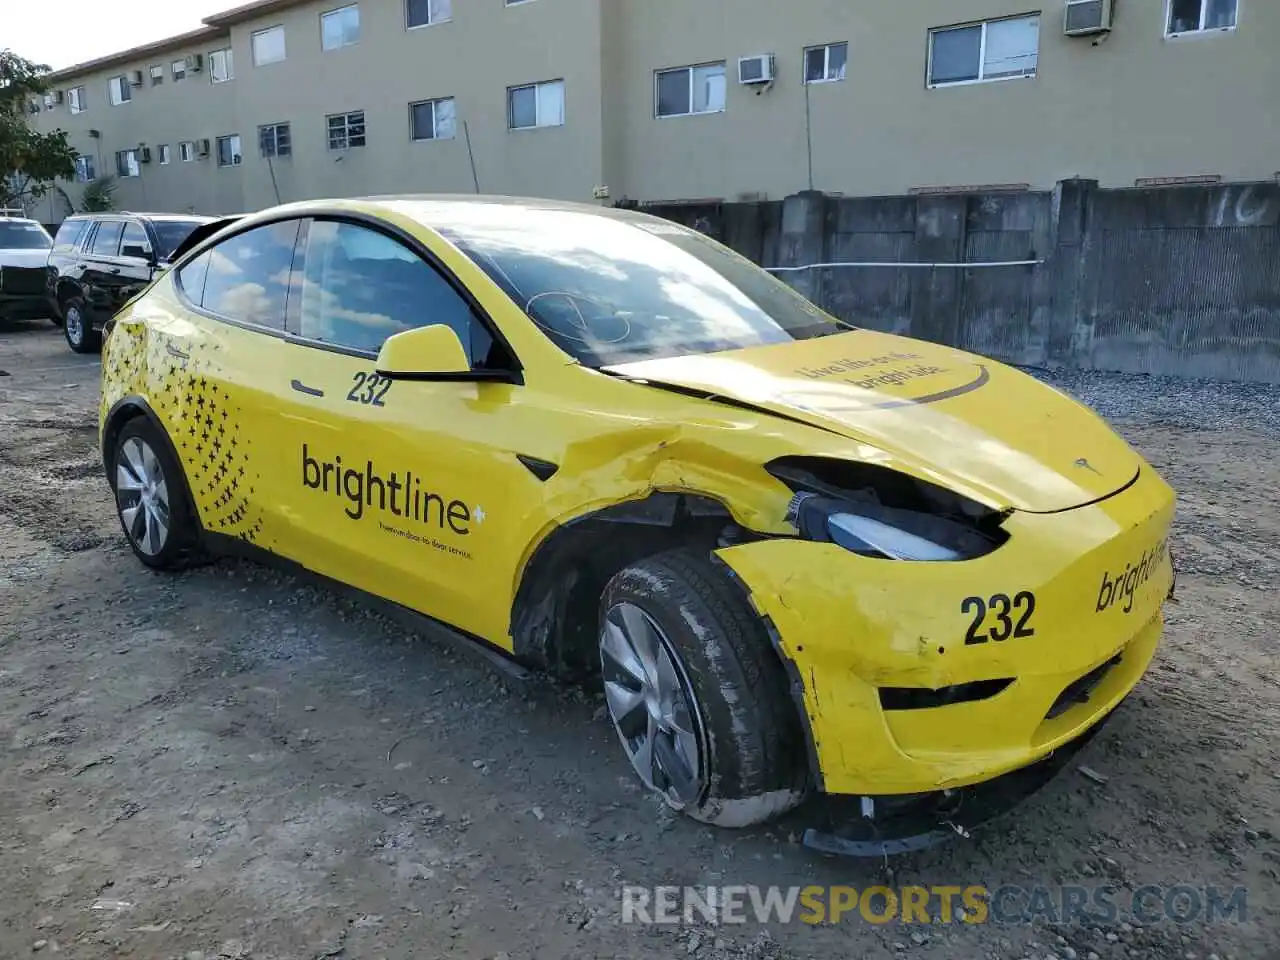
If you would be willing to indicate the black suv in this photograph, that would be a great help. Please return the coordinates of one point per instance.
(101, 260)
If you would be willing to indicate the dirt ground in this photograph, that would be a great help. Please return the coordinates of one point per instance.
(230, 763)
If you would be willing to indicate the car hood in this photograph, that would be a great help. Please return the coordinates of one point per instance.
(23, 258)
(983, 428)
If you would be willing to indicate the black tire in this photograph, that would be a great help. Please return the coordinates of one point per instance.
(751, 742)
(77, 327)
(181, 545)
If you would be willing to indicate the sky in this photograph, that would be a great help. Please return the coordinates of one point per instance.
(64, 32)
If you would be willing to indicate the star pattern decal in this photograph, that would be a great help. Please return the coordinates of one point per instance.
(183, 380)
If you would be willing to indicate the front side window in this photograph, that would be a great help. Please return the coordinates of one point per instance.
(229, 151)
(609, 291)
(23, 235)
(274, 140)
(106, 242)
(1194, 16)
(433, 119)
(85, 168)
(179, 70)
(826, 63)
(268, 46)
(221, 66)
(248, 277)
(684, 91)
(135, 242)
(127, 163)
(536, 105)
(421, 13)
(76, 100)
(995, 50)
(119, 90)
(360, 287)
(340, 28)
(346, 130)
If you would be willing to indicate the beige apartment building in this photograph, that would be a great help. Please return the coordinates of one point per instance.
(671, 100)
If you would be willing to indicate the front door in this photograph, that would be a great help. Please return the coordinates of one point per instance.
(408, 490)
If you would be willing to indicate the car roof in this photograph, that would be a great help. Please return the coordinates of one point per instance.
(433, 210)
(109, 214)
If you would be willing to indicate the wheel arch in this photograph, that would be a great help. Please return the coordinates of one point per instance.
(553, 617)
(122, 412)
(65, 289)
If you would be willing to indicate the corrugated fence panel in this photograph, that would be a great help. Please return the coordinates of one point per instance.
(878, 298)
(995, 311)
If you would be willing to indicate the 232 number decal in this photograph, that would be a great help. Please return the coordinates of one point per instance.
(369, 388)
(1008, 617)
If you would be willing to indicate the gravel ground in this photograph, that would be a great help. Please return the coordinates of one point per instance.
(232, 763)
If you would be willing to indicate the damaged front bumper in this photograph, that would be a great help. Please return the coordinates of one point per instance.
(916, 680)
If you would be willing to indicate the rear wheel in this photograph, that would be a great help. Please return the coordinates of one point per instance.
(151, 498)
(696, 693)
(78, 328)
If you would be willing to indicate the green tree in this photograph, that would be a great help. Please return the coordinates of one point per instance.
(30, 161)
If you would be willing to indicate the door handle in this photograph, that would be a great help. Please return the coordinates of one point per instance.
(303, 388)
(114, 270)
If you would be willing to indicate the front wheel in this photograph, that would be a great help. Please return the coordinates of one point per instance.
(78, 328)
(697, 694)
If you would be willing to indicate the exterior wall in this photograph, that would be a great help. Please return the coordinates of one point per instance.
(1133, 105)
(1136, 105)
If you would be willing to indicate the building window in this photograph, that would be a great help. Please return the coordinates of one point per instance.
(422, 13)
(157, 74)
(120, 90)
(179, 70)
(995, 50)
(346, 130)
(1196, 16)
(274, 140)
(536, 105)
(85, 170)
(685, 91)
(76, 100)
(221, 66)
(340, 28)
(127, 163)
(433, 119)
(187, 151)
(825, 63)
(164, 153)
(229, 151)
(516, 3)
(268, 46)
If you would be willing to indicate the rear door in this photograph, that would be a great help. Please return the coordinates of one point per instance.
(101, 268)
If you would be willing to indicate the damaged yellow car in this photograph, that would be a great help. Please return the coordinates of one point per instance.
(803, 558)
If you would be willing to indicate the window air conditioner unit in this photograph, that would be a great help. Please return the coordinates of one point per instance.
(195, 62)
(1086, 18)
(756, 69)
(144, 154)
(202, 147)
(135, 78)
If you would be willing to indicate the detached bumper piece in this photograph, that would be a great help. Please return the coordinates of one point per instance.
(878, 827)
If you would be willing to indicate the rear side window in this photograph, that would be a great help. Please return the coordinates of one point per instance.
(191, 277)
(360, 287)
(69, 235)
(247, 277)
(106, 242)
(136, 243)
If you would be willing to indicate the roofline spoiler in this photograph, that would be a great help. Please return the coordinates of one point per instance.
(201, 233)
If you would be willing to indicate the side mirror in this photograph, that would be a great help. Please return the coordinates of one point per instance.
(425, 353)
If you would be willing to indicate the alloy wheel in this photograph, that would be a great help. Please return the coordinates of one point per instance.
(652, 705)
(142, 496)
(75, 324)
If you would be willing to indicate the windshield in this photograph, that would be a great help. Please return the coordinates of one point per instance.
(23, 235)
(170, 233)
(611, 291)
